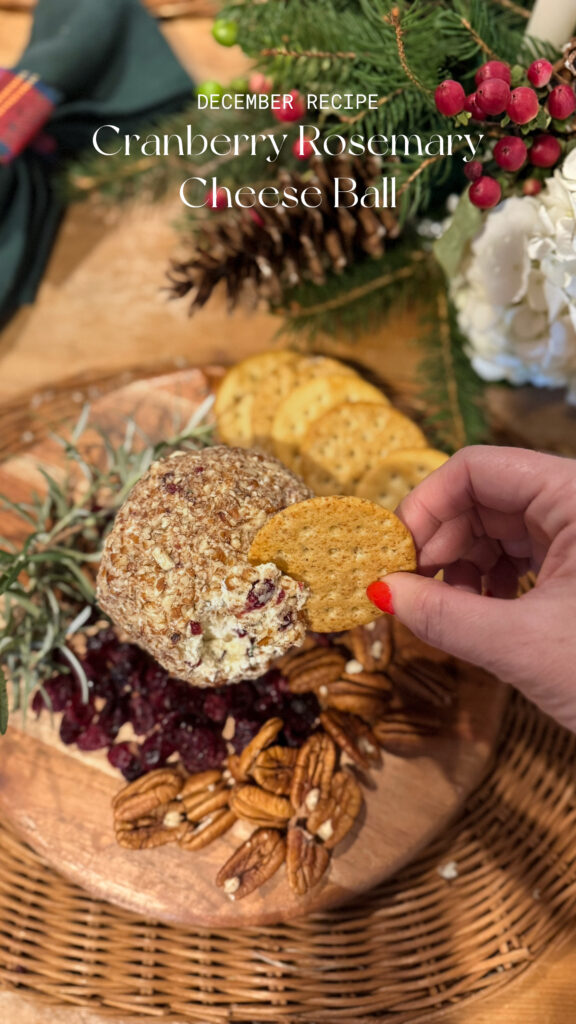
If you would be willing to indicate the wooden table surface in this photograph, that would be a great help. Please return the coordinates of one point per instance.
(100, 309)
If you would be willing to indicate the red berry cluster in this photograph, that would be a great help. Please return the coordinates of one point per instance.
(495, 97)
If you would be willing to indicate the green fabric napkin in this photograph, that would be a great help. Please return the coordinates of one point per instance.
(98, 62)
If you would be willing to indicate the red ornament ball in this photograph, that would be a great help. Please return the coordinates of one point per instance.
(217, 201)
(510, 153)
(473, 170)
(450, 98)
(493, 95)
(561, 102)
(545, 151)
(472, 106)
(523, 105)
(540, 73)
(493, 69)
(485, 193)
(292, 109)
(303, 149)
(532, 187)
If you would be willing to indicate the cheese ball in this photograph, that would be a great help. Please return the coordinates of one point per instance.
(174, 574)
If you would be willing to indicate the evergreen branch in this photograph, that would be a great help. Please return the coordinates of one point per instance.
(522, 12)
(478, 40)
(281, 51)
(344, 298)
(394, 19)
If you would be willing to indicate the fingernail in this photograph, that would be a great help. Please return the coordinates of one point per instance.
(380, 595)
(488, 593)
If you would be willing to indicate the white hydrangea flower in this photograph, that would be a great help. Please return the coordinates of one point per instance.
(516, 292)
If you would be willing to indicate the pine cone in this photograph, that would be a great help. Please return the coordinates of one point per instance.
(262, 252)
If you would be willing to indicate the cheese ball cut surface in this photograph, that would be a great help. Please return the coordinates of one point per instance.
(175, 575)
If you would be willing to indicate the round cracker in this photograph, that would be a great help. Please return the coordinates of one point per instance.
(390, 482)
(348, 440)
(235, 397)
(307, 403)
(271, 391)
(337, 546)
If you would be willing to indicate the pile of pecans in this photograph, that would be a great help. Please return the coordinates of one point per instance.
(377, 688)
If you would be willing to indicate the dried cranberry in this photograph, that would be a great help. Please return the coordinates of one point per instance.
(242, 697)
(70, 729)
(175, 637)
(141, 715)
(216, 707)
(59, 689)
(152, 752)
(123, 757)
(93, 738)
(246, 729)
(201, 748)
(300, 717)
(259, 594)
(195, 628)
(281, 596)
(113, 715)
(286, 622)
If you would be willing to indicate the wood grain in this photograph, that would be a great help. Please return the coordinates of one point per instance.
(60, 801)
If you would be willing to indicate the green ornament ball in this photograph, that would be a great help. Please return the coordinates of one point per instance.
(209, 89)
(225, 32)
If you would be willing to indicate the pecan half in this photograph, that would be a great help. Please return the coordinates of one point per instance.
(197, 836)
(431, 682)
(406, 733)
(315, 668)
(306, 860)
(313, 771)
(233, 765)
(263, 738)
(371, 647)
(345, 695)
(274, 768)
(353, 736)
(164, 824)
(148, 793)
(252, 864)
(250, 803)
(334, 817)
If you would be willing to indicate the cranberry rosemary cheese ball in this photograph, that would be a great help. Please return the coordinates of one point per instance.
(175, 576)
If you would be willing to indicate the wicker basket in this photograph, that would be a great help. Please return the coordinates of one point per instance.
(408, 952)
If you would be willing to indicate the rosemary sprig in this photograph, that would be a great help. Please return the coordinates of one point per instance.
(47, 584)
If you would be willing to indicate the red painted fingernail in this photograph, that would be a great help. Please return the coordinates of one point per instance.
(488, 593)
(380, 595)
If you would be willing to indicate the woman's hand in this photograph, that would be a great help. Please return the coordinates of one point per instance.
(486, 517)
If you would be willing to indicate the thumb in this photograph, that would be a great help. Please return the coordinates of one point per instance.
(478, 629)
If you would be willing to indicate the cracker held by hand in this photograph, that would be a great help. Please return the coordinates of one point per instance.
(337, 545)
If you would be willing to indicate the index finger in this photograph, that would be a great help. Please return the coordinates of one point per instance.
(508, 480)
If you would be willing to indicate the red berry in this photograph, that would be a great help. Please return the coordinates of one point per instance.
(540, 73)
(493, 95)
(545, 151)
(218, 201)
(561, 102)
(473, 170)
(493, 69)
(259, 82)
(532, 187)
(510, 153)
(472, 106)
(450, 98)
(523, 105)
(303, 149)
(290, 109)
(485, 193)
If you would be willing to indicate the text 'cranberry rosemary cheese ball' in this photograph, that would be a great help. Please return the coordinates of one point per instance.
(175, 576)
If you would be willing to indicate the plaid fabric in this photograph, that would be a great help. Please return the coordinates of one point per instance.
(26, 104)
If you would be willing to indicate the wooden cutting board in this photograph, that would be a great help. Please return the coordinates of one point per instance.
(59, 799)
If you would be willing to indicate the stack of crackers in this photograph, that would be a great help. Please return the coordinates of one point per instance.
(322, 420)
